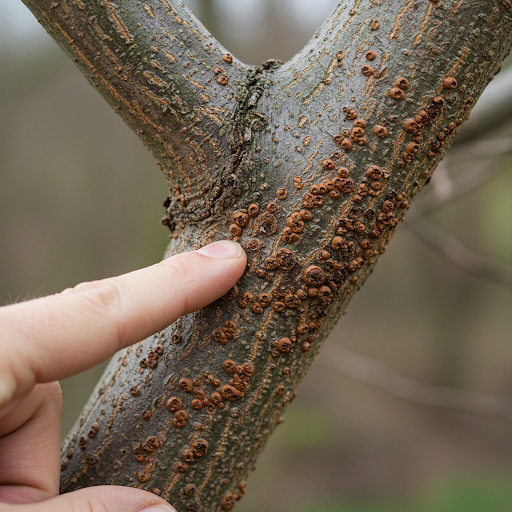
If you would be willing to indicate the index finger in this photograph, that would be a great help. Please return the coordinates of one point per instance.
(57, 336)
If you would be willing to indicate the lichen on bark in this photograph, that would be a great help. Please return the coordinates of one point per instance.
(309, 164)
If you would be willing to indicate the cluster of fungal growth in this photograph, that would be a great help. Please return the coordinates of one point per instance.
(415, 126)
(143, 453)
(344, 253)
(236, 388)
(295, 226)
(153, 356)
(222, 76)
(229, 500)
(241, 218)
(397, 92)
(93, 430)
(65, 460)
(357, 134)
(227, 332)
(323, 280)
(333, 188)
(197, 449)
(82, 443)
(262, 300)
(239, 383)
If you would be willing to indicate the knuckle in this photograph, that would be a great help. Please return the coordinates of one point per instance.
(47, 397)
(106, 292)
(108, 295)
(53, 393)
(107, 300)
(104, 299)
(178, 265)
(82, 287)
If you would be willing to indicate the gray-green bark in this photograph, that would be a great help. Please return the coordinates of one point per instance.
(278, 157)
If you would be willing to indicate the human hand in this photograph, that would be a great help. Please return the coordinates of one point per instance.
(58, 336)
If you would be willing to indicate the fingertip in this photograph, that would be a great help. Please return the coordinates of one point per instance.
(195, 279)
(214, 267)
(222, 249)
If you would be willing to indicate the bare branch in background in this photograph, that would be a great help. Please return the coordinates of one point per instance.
(481, 149)
(459, 255)
(447, 189)
(374, 373)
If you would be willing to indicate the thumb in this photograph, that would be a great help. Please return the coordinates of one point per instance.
(105, 498)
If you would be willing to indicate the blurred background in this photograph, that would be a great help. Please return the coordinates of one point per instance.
(419, 414)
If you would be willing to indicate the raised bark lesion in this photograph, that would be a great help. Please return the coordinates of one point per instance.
(309, 164)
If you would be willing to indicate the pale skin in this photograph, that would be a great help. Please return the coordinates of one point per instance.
(51, 338)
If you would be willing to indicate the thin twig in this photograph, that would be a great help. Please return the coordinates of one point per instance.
(374, 373)
(480, 149)
(459, 255)
(470, 180)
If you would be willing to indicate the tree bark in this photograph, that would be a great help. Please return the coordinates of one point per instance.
(309, 164)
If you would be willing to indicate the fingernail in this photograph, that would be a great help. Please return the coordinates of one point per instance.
(158, 508)
(221, 249)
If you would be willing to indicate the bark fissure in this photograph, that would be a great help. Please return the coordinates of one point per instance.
(310, 165)
(239, 128)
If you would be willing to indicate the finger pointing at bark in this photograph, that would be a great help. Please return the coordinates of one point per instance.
(55, 337)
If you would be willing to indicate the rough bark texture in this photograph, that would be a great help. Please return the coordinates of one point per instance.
(309, 164)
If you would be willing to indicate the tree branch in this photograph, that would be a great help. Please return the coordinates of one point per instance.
(310, 165)
(374, 373)
(162, 71)
(459, 255)
(481, 149)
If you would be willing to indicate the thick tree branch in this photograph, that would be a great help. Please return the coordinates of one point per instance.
(310, 165)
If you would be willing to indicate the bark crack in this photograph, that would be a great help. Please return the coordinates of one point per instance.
(244, 122)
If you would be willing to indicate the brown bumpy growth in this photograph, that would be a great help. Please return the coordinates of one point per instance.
(310, 165)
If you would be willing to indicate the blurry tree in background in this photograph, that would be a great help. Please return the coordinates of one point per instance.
(79, 201)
